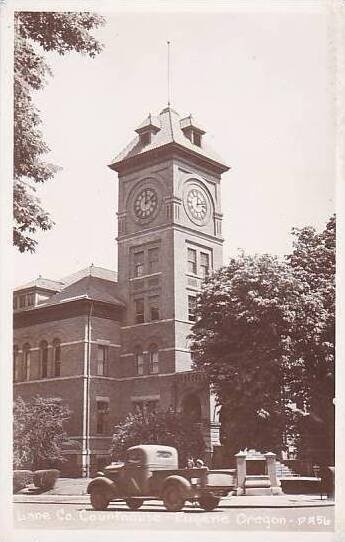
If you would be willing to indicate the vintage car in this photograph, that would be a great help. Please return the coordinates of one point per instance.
(151, 472)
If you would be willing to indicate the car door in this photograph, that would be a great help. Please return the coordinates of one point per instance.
(133, 474)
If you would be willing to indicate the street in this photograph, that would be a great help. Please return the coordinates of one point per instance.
(74, 515)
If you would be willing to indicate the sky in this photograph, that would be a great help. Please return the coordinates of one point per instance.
(260, 82)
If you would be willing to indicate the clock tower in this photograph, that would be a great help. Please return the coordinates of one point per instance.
(169, 240)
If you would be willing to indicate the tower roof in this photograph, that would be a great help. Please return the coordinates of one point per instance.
(167, 129)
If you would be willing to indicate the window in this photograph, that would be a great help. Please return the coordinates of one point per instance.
(139, 357)
(102, 360)
(197, 139)
(138, 264)
(145, 138)
(134, 456)
(22, 301)
(15, 363)
(30, 299)
(57, 357)
(26, 361)
(139, 311)
(15, 302)
(102, 417)
(192, 261)
(204, 264)
(153, 359)
(44, 359)
(191, 308)
(153, 260)
(154, 307)
(163, 453)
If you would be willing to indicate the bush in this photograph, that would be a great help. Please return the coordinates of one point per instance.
(45, 479)
(21, 479)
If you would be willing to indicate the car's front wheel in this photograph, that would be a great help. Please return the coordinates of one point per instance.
(99, 500)
(134, 504)
(209, 502)
(173, 498)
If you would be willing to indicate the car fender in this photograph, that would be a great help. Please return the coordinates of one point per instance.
(182, 482)
(102, 483)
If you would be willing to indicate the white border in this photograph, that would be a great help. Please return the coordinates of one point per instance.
(104, 6)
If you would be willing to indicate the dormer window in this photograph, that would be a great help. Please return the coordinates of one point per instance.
(149, 127)
(192, 131)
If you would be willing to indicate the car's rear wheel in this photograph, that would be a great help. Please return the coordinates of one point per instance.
(173, 498)
(99, 500)
(209, 502)
(134, 504)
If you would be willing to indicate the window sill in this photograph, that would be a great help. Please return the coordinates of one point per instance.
(200, 277)
(145, 276)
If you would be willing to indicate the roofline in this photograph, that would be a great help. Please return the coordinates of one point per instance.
(65, 310)
(119, 166)
(41, 288)
(35, 308)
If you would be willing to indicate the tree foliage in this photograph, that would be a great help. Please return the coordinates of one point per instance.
(38, 432)
(314, 261)
(264, 336)
(166, 428)
(36, 32)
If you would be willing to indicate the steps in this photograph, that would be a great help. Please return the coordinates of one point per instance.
(283, 471)
(257, 485)
(257, 471)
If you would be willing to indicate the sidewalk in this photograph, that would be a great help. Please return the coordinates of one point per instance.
(73, 491)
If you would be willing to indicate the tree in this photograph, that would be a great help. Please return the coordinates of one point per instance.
(236, 341)
(166, 428)
(38, 432)
(313, 260)
(36, 32)
(252, 318)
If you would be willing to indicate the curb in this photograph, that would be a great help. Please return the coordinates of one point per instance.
(240, 502)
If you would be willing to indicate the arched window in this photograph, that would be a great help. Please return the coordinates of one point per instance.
(44, 359)
(139, 360)
(153, 359)
(26, 361)
(57, 357)
(15, 363)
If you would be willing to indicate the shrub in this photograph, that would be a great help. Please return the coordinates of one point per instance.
(21, 479)
(45, 479)
(38, 432)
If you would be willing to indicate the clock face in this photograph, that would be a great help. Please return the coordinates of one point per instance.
(145, 203)
(197, 205)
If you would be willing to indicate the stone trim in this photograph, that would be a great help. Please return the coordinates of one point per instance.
(149, 323)
(79, 341)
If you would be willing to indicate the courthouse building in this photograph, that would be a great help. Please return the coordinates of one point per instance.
(107, 342)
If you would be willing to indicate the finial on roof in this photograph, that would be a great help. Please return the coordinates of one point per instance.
(169, 89)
